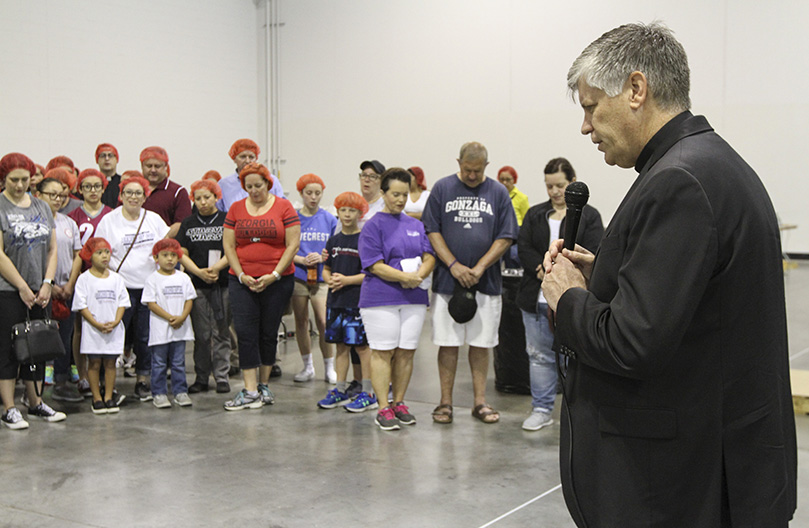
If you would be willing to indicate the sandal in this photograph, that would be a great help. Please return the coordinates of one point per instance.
(486, 414)
(443, 414)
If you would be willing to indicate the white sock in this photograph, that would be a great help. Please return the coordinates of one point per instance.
(328, 363)
(307, 362)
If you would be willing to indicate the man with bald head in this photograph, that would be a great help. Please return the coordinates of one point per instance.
(677, 404)
(470, 223)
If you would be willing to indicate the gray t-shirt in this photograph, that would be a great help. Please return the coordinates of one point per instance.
(26, 240)
(470, 219)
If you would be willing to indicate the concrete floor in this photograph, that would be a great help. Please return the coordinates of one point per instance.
(292, 465)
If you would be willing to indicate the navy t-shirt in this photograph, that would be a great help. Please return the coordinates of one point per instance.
(470, 219)
(200, 235)
(344, 257)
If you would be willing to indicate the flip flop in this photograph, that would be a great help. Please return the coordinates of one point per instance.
(443, 414)
(483, 415)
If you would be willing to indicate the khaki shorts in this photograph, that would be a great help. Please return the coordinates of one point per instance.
(303, 289)
(481, 331)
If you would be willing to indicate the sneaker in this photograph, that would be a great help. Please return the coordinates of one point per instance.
(129, 373)
(24, 400)
(111, 406)
(403, 414)
(44, 411)
(99, 407)
(198, 387)
(13, 419)
(117, 397)
(74, 374)
(84, 388)
(386, 420)
(183, 400)
(222, 387)
(161, 401)
(363, 402)
(354, 389)
(244, 401)
(276, 371)
(267, 397)
(129, 361)
(537, 420)
(66, 393)
(304, 375)
(331, 377)
(48, 374)
(142, 391)
(334, 398)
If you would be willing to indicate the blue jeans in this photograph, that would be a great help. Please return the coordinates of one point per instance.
(138, 316)
(169, 354)
(541, 358)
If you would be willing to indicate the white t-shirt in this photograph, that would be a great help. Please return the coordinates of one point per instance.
(170, 293)
(103, 297)
(372, 210)
(120, 232)
(418, 205)
(67, 241)
(554, 226)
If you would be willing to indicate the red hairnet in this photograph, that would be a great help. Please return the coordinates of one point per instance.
(40, 168)
(352, 200)
(306, 179)
(212, 175)
(91, 246)
(158, 153)
(509, 170)
(140, 180)
(418, 174)
(241, 145)
(256, 168)
(86, 173)
(60, 161)
(106, 147)
(206, 184)
(62, 175)
(167, 244)
(15, 160)
(131, 174)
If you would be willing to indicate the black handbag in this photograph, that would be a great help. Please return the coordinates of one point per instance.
(37, 341)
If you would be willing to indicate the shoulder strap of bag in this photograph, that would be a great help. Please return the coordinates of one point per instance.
(134, 239)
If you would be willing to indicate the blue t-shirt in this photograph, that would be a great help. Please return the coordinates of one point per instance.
(232, 191)
(470, 220)
(344, 258)
(315, 232)
(391, 238)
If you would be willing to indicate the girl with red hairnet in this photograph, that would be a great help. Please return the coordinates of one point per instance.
(131, 231)
(102, 299)
(200, 237)
(27, 269)
(262, 234)
(317, 225)
(418, 193)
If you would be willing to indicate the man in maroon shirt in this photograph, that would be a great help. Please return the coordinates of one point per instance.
(168, 199)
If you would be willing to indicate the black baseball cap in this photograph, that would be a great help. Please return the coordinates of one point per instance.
(373, 164)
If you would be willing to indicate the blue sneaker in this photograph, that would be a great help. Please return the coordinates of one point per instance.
(266, 394)
(334, 398)
(74, 374)
(363, 402)
(49, 375)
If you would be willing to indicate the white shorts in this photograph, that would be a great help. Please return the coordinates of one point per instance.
(392, 327)
(481, 331)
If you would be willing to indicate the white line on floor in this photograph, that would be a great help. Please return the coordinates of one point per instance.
(799, 354)
(523, 505)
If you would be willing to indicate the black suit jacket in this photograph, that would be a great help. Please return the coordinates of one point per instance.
(678, 394)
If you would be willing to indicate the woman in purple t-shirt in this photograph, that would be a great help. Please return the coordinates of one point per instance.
(397, 258)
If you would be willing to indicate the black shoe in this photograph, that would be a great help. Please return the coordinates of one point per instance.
(275, 372)
(112, 407)
(198, 386)
(142, 391)
(117, 397)
(99, 407)
(221, 387)
(234, 371)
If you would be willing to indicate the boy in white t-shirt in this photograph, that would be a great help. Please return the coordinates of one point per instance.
(100, 296)
(170, 295)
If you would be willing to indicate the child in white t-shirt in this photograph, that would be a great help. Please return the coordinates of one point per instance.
(100, 296)
(169, 294)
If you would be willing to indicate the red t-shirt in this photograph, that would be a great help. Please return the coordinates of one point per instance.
(260, 240)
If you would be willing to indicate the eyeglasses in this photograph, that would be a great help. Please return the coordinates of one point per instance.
(133, 194)
(106, 155)
(92, 187)
(54, 196)
(369, 177)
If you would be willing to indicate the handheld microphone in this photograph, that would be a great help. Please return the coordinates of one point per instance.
(576, 196)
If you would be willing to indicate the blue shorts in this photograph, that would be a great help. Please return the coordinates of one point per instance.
(344, 325)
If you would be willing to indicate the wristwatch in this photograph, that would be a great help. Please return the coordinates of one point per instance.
(47, 281)
(276, 275)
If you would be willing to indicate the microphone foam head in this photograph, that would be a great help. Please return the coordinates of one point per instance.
(577, 194)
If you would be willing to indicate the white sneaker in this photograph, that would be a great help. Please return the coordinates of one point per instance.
(182, 399)
(537, 420)
(161, 401)
(305, 375)
(331, 377)
(13, 419)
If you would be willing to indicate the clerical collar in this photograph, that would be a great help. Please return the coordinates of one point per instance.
(660, 138)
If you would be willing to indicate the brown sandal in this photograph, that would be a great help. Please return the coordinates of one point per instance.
(489, 416)
(443, 414)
